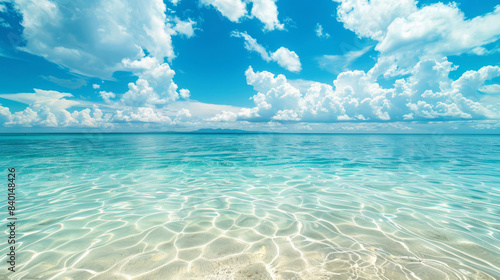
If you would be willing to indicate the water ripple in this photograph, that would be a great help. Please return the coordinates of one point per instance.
(256, 206)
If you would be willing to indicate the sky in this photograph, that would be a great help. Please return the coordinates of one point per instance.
(324, 66)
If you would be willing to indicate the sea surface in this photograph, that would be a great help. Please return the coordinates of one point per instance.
(256, 206)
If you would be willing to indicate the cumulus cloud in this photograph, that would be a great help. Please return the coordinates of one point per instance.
(372, 18)
(141, 94)
(105, 33)
(106, 37)
(144, 102)
(184, 27)
(185, 93)
(264, 10)
(232, 9)
(440, 29)
(5, 115)
(490, 89)
(198, 109)
(87, 118)
(62, 110)
(287, 59)
(54, 100)
(471, 81)
(267, 12)
(54, 109)
(411, 40)
(141, 114)
(224, 116)
(107, 96)
(183, 113)
(355, 97)
(155, 85)
(47, 108)
(283, 56)
(146, 99)
(406, 34)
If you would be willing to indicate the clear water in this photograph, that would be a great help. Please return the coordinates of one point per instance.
(255, 206)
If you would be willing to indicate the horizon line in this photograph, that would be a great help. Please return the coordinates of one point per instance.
(239, 133)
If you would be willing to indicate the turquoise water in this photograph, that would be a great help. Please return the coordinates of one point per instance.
(164, 206)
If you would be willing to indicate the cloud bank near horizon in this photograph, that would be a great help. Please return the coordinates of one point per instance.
(409, 84)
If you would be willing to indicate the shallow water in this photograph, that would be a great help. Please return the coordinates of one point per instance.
(164, 206)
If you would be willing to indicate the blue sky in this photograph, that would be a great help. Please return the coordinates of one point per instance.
(284, 66)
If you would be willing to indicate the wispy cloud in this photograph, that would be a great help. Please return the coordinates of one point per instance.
(320, 32)
(68, 83)
(284, 57)
(339, 63)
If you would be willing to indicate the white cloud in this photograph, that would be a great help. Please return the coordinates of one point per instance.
(183, 113)
(252, 45)
(287, 59)
(199, 109)
(286, 115)
(185, 93)
(406, 34)
(88, 118)
(274, 93)
(440, 29)
(232, 9)
(355, 97)
(28, 117)
(155, 85)
(144, 102)
(106, 96)
(3, 8)
(283, 56)
(183, 118)
(320, 33)
(141, 114)
(54, 100)
(471, 81)
(105, 33)
(264, 10)
(184, 27)
(490, 89)
(486, 125)
(224, 116)
(267, 12)
(301, 84)
(340, 63)
(371, 18)
(411, 40)
(55, 109)
(5, 115)
(141, 94)
(50, 109)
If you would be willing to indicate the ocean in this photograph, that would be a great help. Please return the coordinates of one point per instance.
(252, 206)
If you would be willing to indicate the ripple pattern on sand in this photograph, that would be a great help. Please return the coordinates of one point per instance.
(256, 206)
